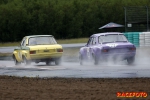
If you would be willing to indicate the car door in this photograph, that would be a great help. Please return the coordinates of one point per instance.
(18, 51)
(90, 45)
(23, 47)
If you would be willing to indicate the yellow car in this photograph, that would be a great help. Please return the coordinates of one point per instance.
(38, 48)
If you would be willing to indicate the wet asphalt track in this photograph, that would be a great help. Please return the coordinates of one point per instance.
(73, 69)
(70, 69)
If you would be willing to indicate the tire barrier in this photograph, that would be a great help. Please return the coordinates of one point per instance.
(139, 39)
(146, 38)
(133, 37)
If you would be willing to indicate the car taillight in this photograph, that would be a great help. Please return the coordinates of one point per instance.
(105, 50)
(32, 52)
(59, 50)
(132, 49)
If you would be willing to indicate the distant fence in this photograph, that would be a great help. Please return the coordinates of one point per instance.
(139, 39)
(137, 18)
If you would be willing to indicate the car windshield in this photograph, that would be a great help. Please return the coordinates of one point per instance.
(112, 38)
(43, 40)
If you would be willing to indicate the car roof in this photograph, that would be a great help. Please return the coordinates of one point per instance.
(106, 33)
(37, 35)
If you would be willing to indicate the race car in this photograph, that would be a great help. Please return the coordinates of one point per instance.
(110, 46)
(38, 48)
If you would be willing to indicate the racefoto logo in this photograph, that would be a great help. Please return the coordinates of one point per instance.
(131, 94)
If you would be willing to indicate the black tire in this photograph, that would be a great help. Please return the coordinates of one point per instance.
(80, 59)
(130, 60)
(57, 61)
(95, 60)
(15, 61)
(36, 62)
(47, 62)
(25, 61)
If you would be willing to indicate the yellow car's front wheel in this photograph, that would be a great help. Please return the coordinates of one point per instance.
(15, 60)
(25, 61)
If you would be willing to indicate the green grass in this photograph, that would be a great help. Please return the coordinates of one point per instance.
(60, 41)
(9, 44)
(69, 41)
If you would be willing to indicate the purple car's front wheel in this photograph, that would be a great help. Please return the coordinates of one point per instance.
(95, 60)
(80, 59)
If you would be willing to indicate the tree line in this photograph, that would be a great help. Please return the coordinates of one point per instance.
(62, 18)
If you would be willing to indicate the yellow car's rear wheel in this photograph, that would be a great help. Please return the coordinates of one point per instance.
(47, 62)
(57, 61)
(130, 60)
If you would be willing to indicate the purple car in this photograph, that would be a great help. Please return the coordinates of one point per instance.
(112, 46)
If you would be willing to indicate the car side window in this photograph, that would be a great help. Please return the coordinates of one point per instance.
(100, 39)
(23, 42)
(94, 41)
(32, 41)
(91, 41)
(88, 43)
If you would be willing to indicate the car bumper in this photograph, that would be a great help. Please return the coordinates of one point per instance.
(43, 56)
(119, 56)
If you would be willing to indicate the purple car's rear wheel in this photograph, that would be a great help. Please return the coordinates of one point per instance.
(130, 60)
